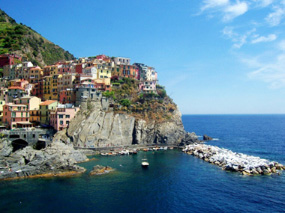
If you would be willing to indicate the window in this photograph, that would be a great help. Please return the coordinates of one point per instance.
(67, 122)
(61, 122)
(60, 116)
(68, 116)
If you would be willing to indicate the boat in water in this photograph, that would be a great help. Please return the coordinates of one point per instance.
(145, 163)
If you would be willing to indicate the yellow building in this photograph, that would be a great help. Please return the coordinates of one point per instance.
(32, 102)
(35, 117)
(35, 74)
(45, 109)
(104, 74)
(47, 81)
(50, 70)
(54, 70)
(54, 86)
(2, 103)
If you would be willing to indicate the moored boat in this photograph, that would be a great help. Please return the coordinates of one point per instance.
(145, 163)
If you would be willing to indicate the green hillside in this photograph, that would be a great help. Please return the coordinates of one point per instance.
(21, 39)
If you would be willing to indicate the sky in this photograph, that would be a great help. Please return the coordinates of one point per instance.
(213, 56)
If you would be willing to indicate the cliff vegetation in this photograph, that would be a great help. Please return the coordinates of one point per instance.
(148, 106)
(21, 39)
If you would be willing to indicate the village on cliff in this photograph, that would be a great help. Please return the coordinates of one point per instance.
(31, 96)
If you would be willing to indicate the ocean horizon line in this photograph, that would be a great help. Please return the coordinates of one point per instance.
(236, 114)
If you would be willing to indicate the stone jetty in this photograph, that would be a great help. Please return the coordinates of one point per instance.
(232, 161)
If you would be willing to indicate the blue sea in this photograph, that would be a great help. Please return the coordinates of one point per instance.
(174, 181)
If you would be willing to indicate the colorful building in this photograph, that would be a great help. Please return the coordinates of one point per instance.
(16, 115)
(122, 61)
(37, 89)
(128, 71)
(35, 74)
(47, 81)
(9, 59)
(54, 86)
(15, 92)
(45, 108)
(31, 102)
(61, 117)
(2, 103)
(35, 117)
(65, 81)
(67, 96)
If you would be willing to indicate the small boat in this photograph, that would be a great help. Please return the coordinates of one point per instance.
(145, 150)
(155, 148)
(145, 163)
(171, 147)
(165, 148)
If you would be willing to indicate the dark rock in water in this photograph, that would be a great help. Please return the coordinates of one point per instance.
(100, 170)
(207, 138)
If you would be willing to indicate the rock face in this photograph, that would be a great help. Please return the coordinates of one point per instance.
(56, 159)
(101, 128)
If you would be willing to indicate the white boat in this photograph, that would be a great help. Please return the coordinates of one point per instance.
(145, 163)
(165, 148)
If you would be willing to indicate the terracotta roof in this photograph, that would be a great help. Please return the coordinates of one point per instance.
(47, 102)
(16, 88)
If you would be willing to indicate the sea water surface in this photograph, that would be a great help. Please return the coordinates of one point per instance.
(174, 181)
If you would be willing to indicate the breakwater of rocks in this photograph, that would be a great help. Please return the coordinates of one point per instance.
(232, 161)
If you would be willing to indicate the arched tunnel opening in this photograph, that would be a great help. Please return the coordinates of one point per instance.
(40, 145)
(19, 144)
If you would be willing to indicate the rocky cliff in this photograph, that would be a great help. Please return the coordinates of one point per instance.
(102, 127)
(57, 159)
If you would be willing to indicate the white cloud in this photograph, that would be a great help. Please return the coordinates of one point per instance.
(268, 38)
(235, 10)
(281, 45)
(275, 18)
(271, 72)
(263, 3)
(227, 8)
(214, 3)
(238, 39)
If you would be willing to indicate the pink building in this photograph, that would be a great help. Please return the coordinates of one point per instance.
(61, 117)
(16, 115)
